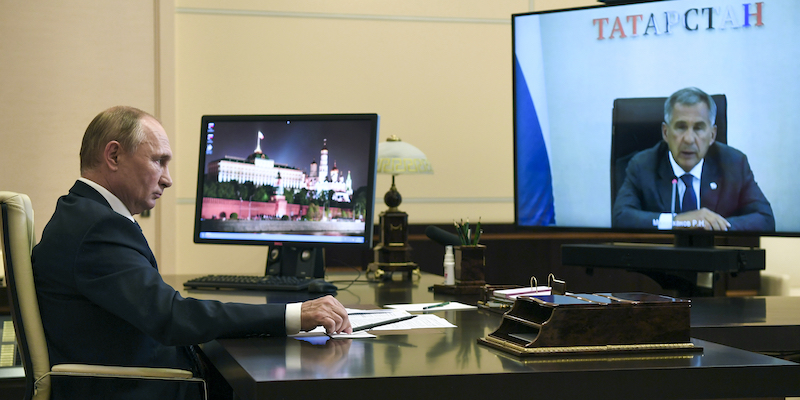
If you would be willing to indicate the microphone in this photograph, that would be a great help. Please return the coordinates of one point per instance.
(674, 186)
(442, 236)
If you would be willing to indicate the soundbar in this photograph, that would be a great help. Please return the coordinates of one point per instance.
(657, 257)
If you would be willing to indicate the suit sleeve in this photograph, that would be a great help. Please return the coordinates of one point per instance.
(628, 209)
(115, 269)
(754, 213)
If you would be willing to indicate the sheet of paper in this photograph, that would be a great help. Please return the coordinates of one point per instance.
(419, 307)
(364, 317)
(354, 311)
(359, 319)
(424, 321)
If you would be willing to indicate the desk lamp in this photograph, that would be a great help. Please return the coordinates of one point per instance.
(393, 252)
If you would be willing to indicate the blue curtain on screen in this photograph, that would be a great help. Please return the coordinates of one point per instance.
(534, 183)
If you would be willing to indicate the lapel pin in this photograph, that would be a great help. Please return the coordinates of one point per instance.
(713, 185)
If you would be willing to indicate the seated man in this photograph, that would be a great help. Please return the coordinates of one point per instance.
(662, 183)
(101, 297)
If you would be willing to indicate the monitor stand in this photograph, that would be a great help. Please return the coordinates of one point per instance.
(299, 261)
(680, 267)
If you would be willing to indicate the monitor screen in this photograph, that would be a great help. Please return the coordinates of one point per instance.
(591, 148)
(299, 180)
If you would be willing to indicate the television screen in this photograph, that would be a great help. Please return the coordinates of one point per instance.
(300, 180)
(592, 149)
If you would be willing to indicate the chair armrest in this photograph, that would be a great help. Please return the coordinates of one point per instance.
(144, 372)
(107, 371)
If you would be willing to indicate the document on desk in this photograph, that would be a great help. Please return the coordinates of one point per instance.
(365, 317)
(432, 307)
(425, 321)
(368, 317)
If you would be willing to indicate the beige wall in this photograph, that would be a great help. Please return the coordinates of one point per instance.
(61, 63)
(438, 72)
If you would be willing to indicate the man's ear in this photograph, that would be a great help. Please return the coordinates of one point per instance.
(111, 154)
(664, 131)
(713, 135)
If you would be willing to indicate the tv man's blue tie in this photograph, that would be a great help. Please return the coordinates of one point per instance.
(689, 198)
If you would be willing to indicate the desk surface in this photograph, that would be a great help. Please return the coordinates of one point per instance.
(449, 362)
(763, 324)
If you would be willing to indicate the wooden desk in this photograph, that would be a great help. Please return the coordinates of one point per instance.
(450, 363)
(768, 324)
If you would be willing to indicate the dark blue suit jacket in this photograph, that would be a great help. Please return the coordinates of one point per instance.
(103, 301)
(727, 187)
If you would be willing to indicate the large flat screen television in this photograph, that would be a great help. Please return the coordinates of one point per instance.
(299, 183)
(591, 146)
(590, 86)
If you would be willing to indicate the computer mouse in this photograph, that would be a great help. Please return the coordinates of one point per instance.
(321, 286)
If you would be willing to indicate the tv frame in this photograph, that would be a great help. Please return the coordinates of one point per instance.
(683, 238)
(679, 265)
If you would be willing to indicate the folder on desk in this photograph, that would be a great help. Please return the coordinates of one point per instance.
(512, 294)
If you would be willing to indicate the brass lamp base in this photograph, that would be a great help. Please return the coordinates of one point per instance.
(385, 271)
(392, 254)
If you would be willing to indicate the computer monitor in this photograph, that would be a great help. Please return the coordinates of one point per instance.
(577, 71)
(298, 183)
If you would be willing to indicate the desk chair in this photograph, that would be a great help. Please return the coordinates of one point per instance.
(636, 126)
(17, 236)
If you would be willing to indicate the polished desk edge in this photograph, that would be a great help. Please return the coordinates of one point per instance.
(609, 377)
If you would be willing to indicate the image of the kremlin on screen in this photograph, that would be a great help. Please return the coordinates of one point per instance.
(284, 177)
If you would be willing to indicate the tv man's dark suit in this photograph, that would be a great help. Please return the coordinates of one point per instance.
(727, 187)
(103, 301)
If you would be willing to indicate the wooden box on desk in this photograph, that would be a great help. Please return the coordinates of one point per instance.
(470, 264)
(593, 323)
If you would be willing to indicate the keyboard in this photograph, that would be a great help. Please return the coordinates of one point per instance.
(250, 282)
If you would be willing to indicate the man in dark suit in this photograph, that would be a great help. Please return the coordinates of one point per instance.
(662, 183)
(101, 296)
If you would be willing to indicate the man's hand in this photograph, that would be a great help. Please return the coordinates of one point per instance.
(327, 312)
(702, 219)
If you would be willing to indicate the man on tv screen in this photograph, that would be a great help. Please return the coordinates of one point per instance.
(689, 181)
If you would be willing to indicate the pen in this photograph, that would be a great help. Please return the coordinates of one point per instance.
(436, 305)
(377, 324)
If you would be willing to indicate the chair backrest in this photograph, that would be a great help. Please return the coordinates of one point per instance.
(18, 240)
(636, 126)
